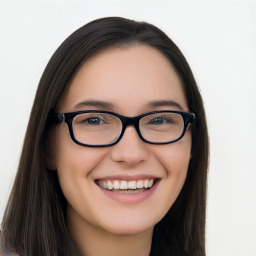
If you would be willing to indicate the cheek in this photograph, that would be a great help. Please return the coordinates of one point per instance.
(175, 160)
(73, 161)
(74, 167)
(175, 157)
(71, 156)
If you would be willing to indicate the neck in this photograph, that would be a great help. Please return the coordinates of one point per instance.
(94, 241)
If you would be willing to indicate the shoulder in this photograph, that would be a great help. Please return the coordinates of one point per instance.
(3, 247)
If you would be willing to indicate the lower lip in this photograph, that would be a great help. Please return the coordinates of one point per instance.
(131, 198)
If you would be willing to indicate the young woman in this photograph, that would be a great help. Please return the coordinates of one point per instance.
(115, 156)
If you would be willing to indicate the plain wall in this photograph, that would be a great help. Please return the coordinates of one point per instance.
(218, 38)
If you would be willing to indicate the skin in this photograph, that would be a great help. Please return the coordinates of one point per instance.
(129, 79)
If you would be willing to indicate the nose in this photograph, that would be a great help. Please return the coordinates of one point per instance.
(130, 150)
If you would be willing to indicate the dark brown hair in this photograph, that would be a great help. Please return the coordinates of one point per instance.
(34, 219)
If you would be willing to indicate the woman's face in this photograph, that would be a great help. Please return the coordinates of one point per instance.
(128, 81)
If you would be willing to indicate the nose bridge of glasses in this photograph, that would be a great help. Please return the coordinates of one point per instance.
(130, 121)
(133, 122)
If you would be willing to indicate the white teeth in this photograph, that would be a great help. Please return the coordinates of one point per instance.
(125, 185)
(140, 184)
(104, 185)
(131, 184)
(145, 183)
(116, 184)
(109, 185)
(150, 183)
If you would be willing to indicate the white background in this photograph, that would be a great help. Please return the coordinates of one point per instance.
(218, 39)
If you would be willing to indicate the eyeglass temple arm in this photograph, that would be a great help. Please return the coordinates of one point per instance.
(59, 117)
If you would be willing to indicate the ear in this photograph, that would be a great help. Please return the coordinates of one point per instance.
(51, 150)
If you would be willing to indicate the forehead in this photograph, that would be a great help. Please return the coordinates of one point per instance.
(128, 78)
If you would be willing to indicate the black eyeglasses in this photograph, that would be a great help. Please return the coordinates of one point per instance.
(92, 128)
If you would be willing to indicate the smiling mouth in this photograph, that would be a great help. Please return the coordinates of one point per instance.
(127, 187)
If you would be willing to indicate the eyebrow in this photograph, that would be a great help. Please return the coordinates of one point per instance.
(95, 103)
(108, 105)
(165, 103)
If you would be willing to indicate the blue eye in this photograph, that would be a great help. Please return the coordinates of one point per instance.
(93, 121)
(159, 120)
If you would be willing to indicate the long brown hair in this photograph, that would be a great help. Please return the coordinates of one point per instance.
(34, 219)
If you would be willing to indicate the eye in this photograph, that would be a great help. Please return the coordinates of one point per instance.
(93, 121)
(160, 120)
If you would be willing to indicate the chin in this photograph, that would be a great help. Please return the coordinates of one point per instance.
(130, 226)
(129, 230)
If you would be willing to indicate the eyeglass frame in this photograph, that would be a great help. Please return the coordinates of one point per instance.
(126, 121)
